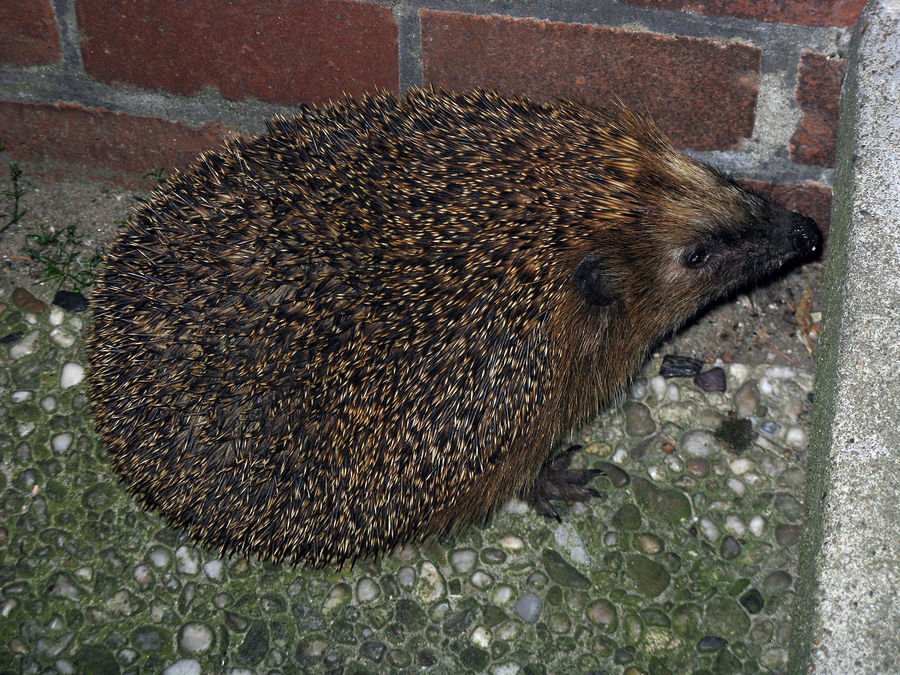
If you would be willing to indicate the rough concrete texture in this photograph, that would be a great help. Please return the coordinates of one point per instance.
(849, 612)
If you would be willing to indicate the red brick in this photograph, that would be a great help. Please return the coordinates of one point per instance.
(29, 35)
(702, 92)
(810, 199)
(840, 13)
(100, 138)
(280, 51)
(819, 94)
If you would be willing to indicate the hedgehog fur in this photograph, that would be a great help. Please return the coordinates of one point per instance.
(376, 320)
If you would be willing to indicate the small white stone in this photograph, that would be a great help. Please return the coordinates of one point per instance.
(656, 473)
(76, 322)
(463, 560)
(62, 337)
(72, 374)
(183, 667)
(502, 594)
(482, 580)
(48, 403)
(19, 396)
(56, 316)
(430, 585)
(699, 443)
(673, 393)
(796, 437)
(25, 428)
(736, 486)
(195, 638)
(757, 525)
(740, 466)
(512, 543)
(674, 464)
(735, 525)
(213, 569)
(506, 669)
(658, 386)
(406, 577)
(737, 375)
(780, 373)
(25, 346)
(186, 560)
(709, 529)
(481, 637)
(30, 318)
(367, 590)
(159, 557)
(61, 442)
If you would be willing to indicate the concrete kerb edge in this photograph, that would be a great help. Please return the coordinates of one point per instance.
(813, 618)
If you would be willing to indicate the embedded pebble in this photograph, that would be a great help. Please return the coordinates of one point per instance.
(463, 560)
(61, 442)
(406, 577)
(187, 560)
(740, 466)
(638, 421)
(711, 380)
(730, 548)
(658, 386)
(736, 486)
(512, 543)
(183, 667)
(20, 396)
(22, 298)
(786, 535)
(673, 393)
(735, 525)
(195, 638)
(430, 585)
(48, 403)
(337, 597)
(699, 443)
(746, 399)
(757, 525)
(789, 505)
(159, 557)
(697, 466)
(795, 437)
(738, 373)
(56, 316)
(25, 346)
(777, 581)
(502, 594)
(62, 337)
(142, 576)
(481, 637)
(482, 580)
(367, 590)
(529, 607)
(709, 529)
(72, 374)
(213, 569)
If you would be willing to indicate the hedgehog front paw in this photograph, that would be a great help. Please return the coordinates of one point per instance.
(556, 481)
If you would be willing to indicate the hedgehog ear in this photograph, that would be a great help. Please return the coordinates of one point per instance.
(594, 281)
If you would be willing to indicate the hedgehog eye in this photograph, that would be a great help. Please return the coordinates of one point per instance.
(696, 257)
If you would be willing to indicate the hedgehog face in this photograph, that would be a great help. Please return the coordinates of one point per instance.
(686, 250)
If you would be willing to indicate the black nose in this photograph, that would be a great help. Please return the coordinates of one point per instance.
(806, 236)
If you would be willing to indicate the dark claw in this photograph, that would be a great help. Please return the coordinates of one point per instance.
(557, 482)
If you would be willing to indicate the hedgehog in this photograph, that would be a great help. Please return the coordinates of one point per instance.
(378, 320)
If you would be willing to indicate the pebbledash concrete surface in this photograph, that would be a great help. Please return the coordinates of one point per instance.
(848, 618)
(689, 564)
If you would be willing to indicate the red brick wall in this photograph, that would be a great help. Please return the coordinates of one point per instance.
(126, 85)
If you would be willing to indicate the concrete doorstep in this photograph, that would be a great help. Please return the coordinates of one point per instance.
(848, 617)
